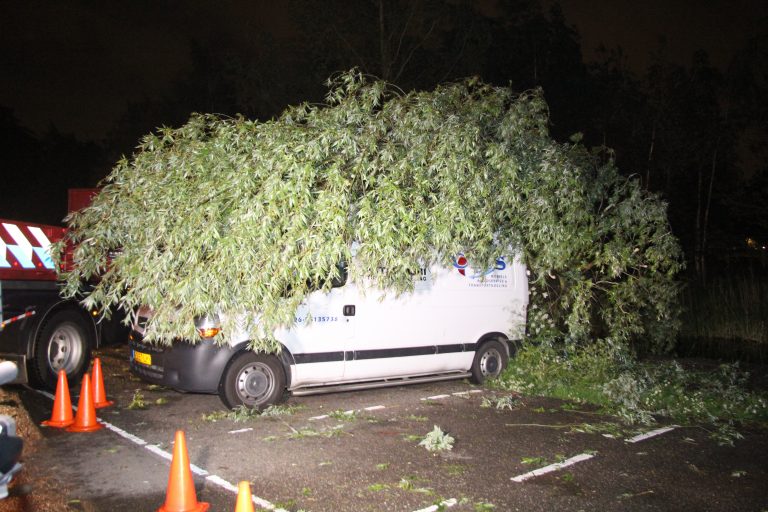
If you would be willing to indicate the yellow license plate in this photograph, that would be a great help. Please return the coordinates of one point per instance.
(142, 358)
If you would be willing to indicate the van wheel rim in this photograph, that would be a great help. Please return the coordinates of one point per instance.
(65, 349)
(255, 383)
(490, 363)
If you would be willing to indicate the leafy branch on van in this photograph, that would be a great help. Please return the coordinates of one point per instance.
(232, 215)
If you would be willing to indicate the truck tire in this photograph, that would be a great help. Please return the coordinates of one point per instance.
(64, 343)
(253, 380)
(490, 360)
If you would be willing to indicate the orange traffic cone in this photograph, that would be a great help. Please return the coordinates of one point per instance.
(244, 500)
(180, 496)
(62, 405)
(85, 420)
(99, 395)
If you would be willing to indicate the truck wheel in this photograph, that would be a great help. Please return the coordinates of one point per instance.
(64, 343)
(254, 380)
(490, 360)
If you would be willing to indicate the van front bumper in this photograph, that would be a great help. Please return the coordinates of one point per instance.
(183, 366)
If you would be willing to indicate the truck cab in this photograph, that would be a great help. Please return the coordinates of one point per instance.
(39, 330)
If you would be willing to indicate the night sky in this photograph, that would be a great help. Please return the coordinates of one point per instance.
(75, 65)
(78, 68)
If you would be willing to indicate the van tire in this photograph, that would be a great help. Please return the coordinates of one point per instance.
(490, 360)
(253, 380)
(64, 343)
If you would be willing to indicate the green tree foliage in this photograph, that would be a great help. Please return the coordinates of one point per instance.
(233, 215)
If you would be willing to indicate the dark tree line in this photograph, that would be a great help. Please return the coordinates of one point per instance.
(693, 133)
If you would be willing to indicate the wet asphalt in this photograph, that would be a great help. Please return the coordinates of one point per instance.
(317, 459)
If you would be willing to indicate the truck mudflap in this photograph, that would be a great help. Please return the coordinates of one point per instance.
(183, 366)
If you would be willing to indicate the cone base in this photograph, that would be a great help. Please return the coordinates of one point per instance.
(105, 403)
(85, 428)
(57, 424)
(200, 507)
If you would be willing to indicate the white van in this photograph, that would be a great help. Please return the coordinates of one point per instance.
(456, 323)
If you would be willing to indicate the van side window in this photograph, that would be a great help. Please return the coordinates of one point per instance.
(337, 282)
(343, 274)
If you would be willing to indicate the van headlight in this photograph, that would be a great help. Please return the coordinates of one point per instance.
(208, 326)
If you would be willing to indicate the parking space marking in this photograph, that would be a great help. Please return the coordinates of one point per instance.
(440, 506)
(553, 467)
(158, 451)
(349, 412)
(379, 407)
(214, 479)
(122, 433)
(463, 393)
(240, 431)
(224, 484)
(436, 397)
(217, 480)
(652, 433)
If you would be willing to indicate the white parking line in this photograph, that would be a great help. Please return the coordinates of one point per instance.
(552, 467)
(214, 479)
(224, 484)
(463, 393)
(652, 433)
(440, 506)
(122, 433)
(240, 431)
(350, 412)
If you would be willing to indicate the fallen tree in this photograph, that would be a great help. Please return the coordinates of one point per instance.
(233, 215)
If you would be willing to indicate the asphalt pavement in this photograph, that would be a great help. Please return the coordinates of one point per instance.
(360, 451)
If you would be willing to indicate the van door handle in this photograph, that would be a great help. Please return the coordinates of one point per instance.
(349, 310)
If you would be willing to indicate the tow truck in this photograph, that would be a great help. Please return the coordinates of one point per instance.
(39, 330)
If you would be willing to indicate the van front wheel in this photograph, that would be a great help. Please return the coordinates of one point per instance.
(490, 360)
(254, 380)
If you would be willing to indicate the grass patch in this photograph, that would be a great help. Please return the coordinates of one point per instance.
(534, 461)
(640, 392)
(303, 433)
(137, 402)
(215, 416)
(343, 415)
(409, 483)
(437, 441)
(243, 413)
(455, 469)
(504, 402)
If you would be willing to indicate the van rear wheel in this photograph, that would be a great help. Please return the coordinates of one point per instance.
(253, 380)
(490, 360)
